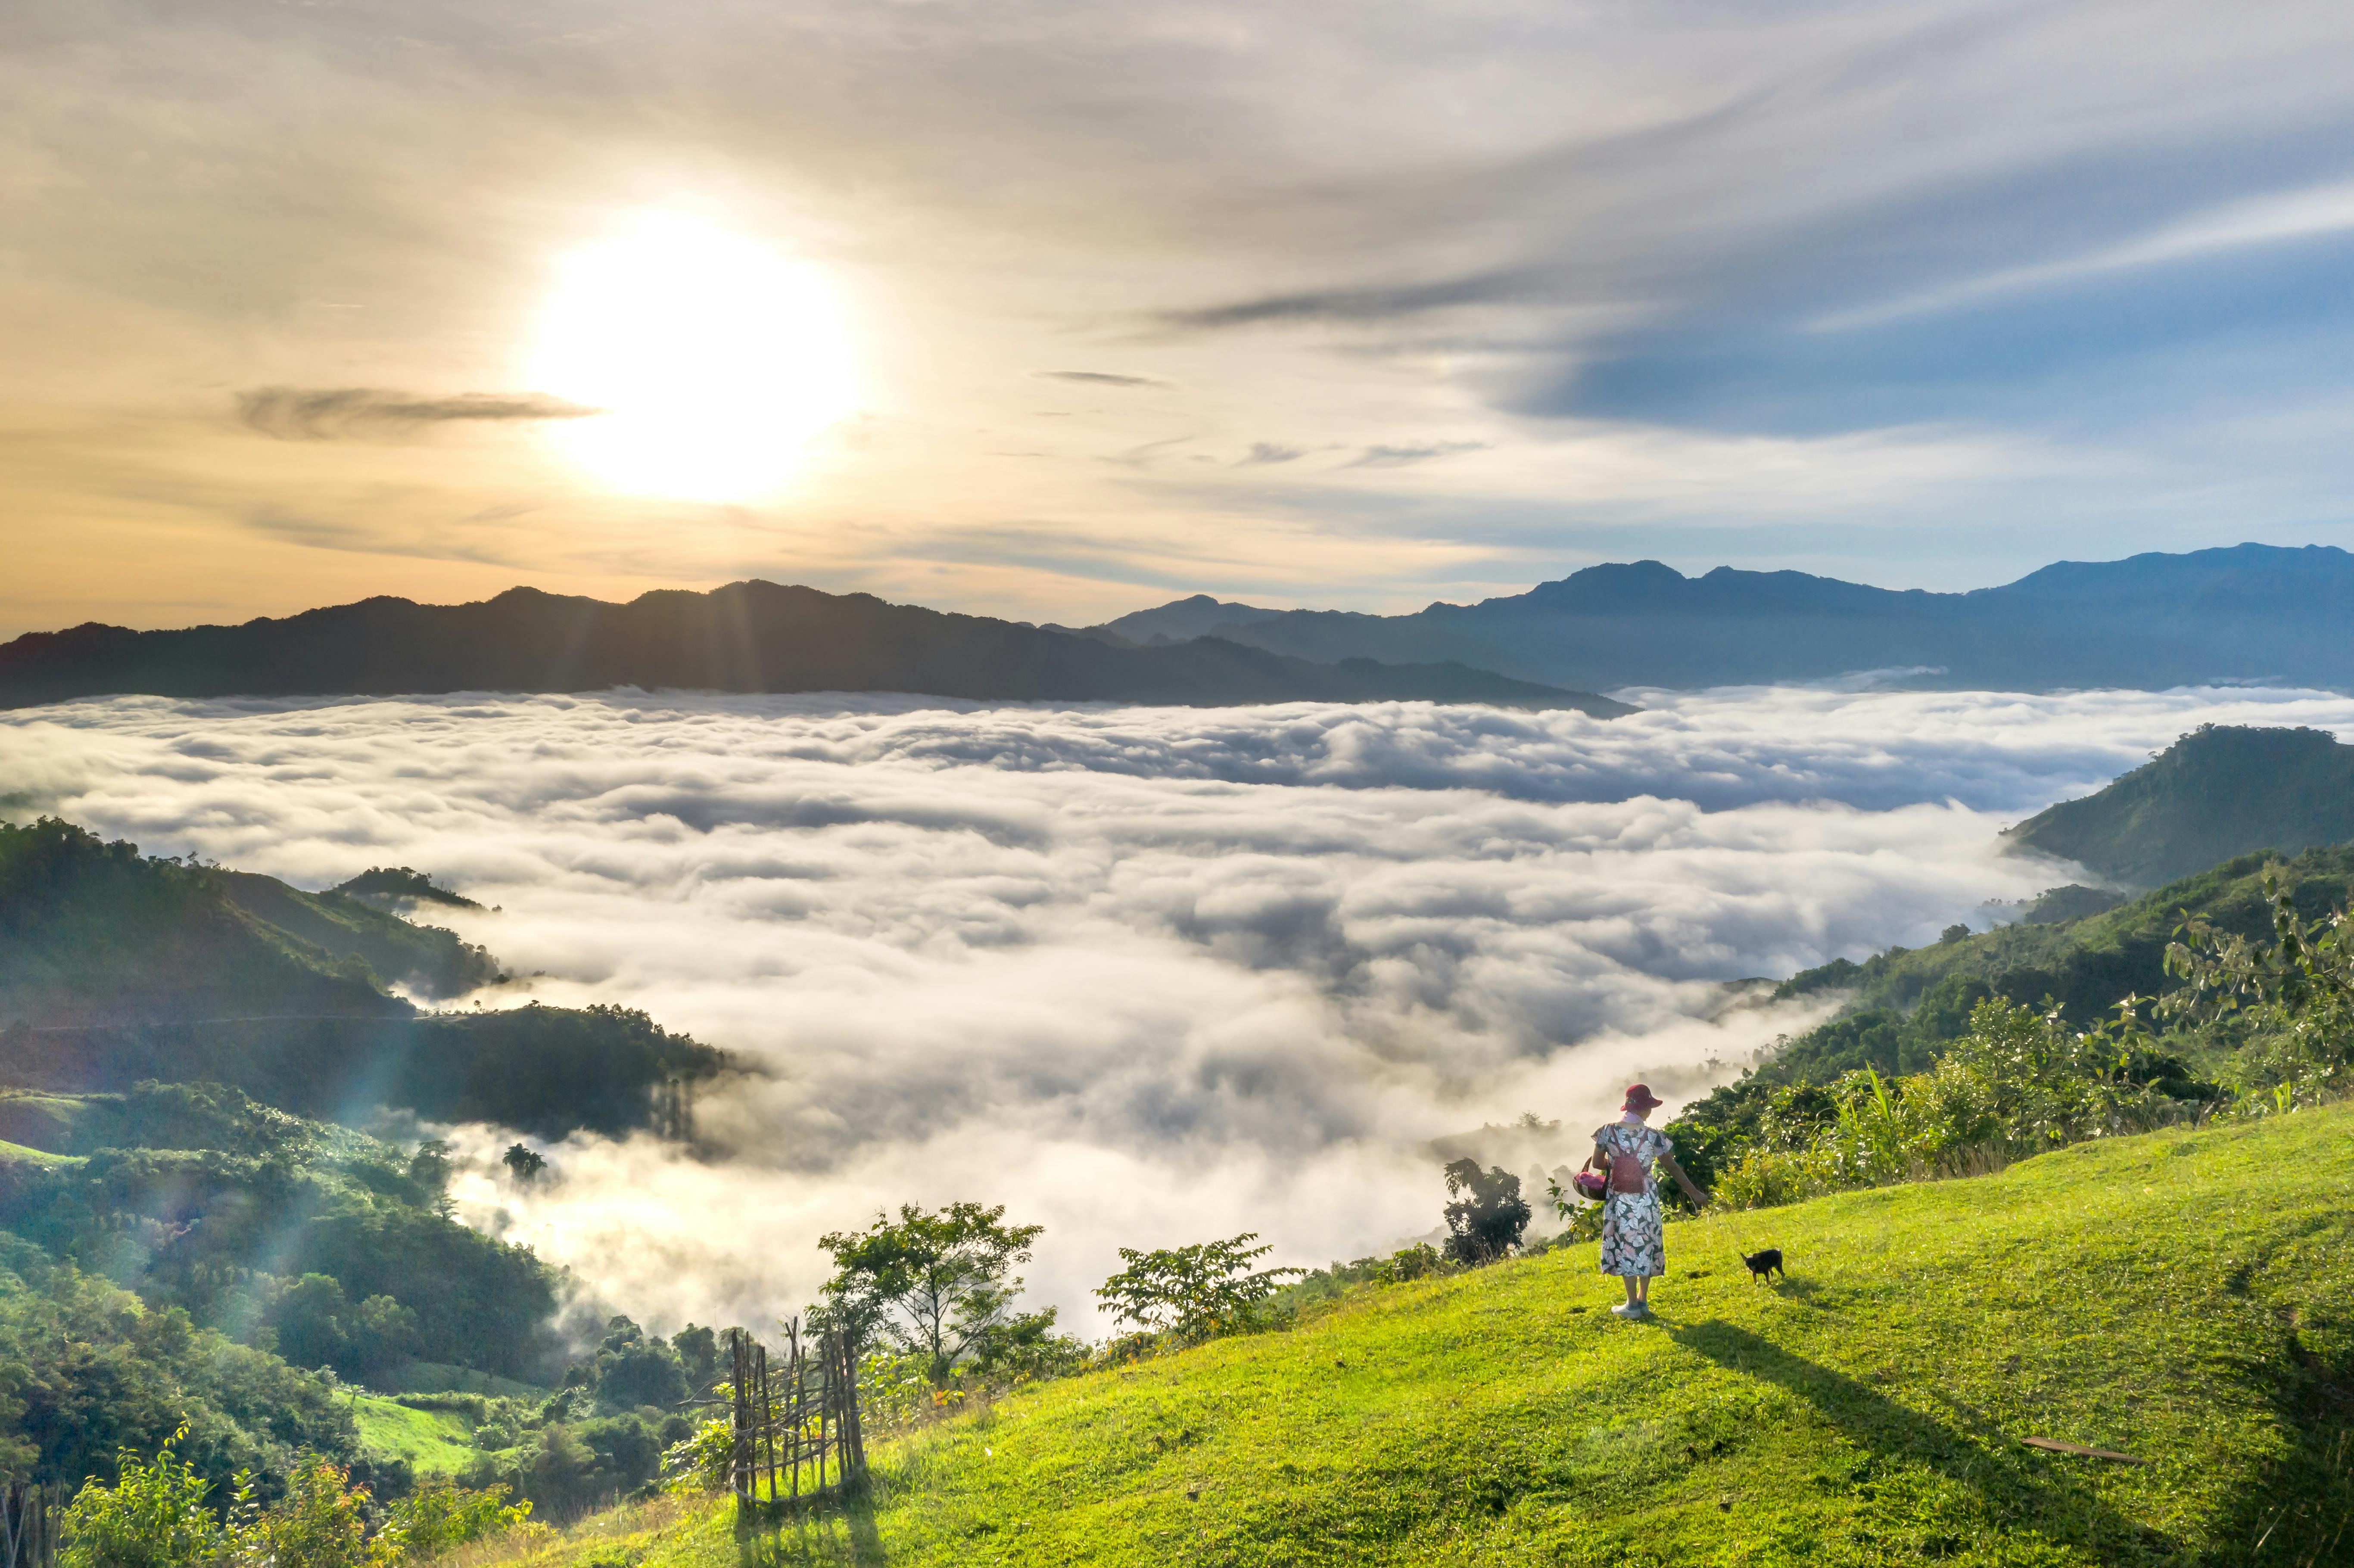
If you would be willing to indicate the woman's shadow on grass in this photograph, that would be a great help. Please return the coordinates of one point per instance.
(2013, 1481)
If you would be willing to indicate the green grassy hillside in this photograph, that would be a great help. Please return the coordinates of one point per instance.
(432, 1442)
(2220, 792)
(2186, 1297)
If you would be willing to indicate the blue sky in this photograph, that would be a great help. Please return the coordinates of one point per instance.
(1358, 304)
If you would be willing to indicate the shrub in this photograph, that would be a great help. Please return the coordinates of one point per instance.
(441, 1515)
(1419, 1261)
(1192, 1293)
(702, 1463)
(1767, 1178)
(154, 1517)
(322, 1523)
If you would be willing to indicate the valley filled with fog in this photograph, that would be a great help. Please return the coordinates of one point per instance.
(1147, 976)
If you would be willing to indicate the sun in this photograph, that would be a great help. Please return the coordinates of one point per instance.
(714, 359)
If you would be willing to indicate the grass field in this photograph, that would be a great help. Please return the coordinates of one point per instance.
(2186, 1298)
(18, 1154)
(434, 1441)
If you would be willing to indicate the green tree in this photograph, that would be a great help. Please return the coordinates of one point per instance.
(1488, 1216)
(152, 1517)
(1194, 1292)
(632, 1370)
(698, 1358)
(308, 1318)
(935, 1282)
(430, 1168)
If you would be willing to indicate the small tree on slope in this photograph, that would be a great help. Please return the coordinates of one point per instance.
(936, 1282)
(1489, 1214)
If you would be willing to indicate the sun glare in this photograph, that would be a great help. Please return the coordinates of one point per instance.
(715, 359)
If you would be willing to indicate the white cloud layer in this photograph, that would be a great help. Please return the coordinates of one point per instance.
(1145, 975)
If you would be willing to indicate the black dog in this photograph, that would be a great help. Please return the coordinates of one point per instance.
(1765, 1263)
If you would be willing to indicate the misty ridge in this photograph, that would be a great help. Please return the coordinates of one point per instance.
(2251, 614)
(745, 637)
(2256, 614)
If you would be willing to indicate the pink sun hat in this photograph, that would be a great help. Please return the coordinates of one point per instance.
(1639, 1097)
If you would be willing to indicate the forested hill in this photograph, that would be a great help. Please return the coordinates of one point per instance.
(2253, 613)
(117, 967)
(745, 637)
(1901, 1009)
(2219, 791)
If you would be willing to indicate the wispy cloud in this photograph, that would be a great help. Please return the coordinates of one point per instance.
(1401, 457)
(1356, 303)
(1097, 379)
(318, 414)
(2307, 213)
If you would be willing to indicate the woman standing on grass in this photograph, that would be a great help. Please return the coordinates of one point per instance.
(1634, 1243)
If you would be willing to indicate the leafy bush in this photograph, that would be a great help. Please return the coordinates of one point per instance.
(155, 1516)
(441, 1515)
(2296, 993)
(2017, 1084)
(1767, 1178)
(322, 1523)
(702, 1463)
(1419, 1261)
(1191, 1293)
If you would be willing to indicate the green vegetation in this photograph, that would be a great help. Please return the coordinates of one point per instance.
(300, 1237)
(1188, 1294)
(87, 1368)
(399, 884)
(941, 1286)
(94, 932)
(2180, 1296)
(116, 968)
(2218, 792)
(161, 1514)
(1904, 1008)
(428, 1442)
(1488, 1216)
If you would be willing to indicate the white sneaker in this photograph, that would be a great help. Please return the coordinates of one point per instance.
(1624, 1309)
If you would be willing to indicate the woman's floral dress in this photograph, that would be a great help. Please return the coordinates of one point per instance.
(1633, 1242)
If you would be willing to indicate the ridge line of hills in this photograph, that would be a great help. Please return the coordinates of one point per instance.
(749, 636)
(2249, 613)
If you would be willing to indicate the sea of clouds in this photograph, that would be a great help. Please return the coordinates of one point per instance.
(1147, 976)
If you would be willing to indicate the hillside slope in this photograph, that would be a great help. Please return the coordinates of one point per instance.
(2219, 791)
(116, 968)
(745, 637)
(2185, 1297)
